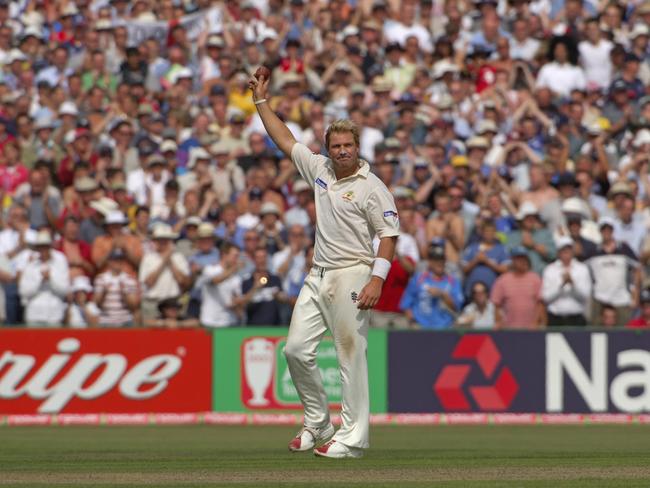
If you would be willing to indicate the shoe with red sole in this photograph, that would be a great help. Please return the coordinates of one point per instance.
(309, 437)
(337, 450)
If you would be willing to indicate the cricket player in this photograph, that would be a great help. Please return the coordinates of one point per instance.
(352, 206)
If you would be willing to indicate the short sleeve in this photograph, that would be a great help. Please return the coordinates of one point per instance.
(496, 296)
(130, 285)
(307, 162)
(181, 263)
(93, 309)
(382, 212)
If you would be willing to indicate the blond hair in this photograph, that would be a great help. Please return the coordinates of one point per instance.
(341, 126)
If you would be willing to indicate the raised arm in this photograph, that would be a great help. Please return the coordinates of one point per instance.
(276, 129)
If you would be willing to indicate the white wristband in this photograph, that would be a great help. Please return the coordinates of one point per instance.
(259, 102)
(381, 267)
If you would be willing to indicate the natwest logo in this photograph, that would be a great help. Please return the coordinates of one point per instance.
(104, 371)
(495, 392)
(605, 372)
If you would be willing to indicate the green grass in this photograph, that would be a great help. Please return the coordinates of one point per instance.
(445, 456)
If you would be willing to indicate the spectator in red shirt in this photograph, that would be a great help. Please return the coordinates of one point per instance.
(12, 172)
(79, 148)
(76, 251)
(387, 314)
(642, 321)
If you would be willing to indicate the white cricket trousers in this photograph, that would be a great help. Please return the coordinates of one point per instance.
(328, 301)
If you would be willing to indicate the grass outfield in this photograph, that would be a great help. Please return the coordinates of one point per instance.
(454, 456)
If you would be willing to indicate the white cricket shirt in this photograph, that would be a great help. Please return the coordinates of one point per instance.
(349, 212)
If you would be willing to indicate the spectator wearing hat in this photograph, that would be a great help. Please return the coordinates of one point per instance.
(576, 216)
(116, 294)
(432, 298)
(42, 146)
(186, 244)
(630, 76)
(618, 109)
(239, 97)
(566, 287)
(533, 237)
(516, 295)
(616, 274)
(643, 320)
(485, 260)
(297, 215)
(213, 48)
(164, 273)
(147, 184)
(117, 237)
(91, 223)
(170, 316)
(81, 312)
(262, 307)
(78, 198)
(271, 230)
(397, 71)
(44, 284)
(229, 179)
(205, 254)
(76, 251)
(200, 172)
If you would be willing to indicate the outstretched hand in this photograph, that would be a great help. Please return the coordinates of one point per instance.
(259, 86)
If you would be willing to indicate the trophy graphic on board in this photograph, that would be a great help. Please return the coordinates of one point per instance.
(259, 362)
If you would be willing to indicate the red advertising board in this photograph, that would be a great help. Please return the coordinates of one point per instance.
(105, 371)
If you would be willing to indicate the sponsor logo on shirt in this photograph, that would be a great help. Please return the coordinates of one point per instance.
(390, 213)
(354, 296)
(348, 196)
(321, 183)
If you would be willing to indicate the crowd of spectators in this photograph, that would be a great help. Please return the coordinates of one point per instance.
(139, 187)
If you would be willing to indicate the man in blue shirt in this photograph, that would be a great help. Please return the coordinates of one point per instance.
(433, 298)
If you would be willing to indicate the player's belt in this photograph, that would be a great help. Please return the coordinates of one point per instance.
(319, 270)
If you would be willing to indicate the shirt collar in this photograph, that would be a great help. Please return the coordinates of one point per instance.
(363, 170)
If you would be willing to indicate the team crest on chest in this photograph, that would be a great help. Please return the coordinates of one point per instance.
(348, 196)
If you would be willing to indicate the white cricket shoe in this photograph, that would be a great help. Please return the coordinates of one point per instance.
(337, 450)
(310, 437)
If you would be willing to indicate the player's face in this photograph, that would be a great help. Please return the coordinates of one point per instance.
(344, 153)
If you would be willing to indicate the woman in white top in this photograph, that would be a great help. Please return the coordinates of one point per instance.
(562, 75)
